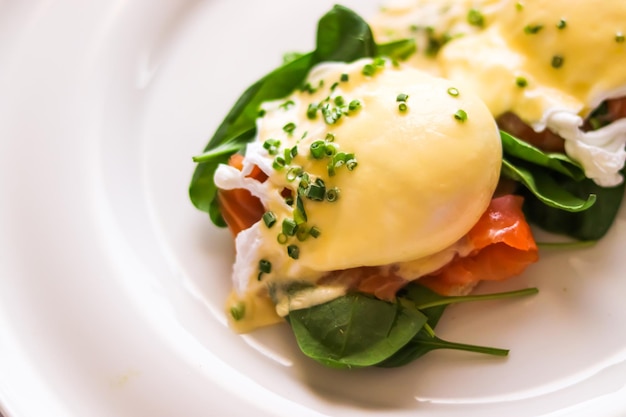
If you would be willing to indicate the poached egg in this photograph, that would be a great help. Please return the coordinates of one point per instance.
(369, 164)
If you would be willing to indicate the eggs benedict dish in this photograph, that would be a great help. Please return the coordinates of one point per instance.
(369, 177)
(551, 72)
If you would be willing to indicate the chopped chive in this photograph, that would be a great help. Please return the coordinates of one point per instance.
(453, 91)
(331, 116)
(289, 227)
(562, 24)
(238, 311)
(269, 218)
(315, 232)
(287, 104)
(293, 173)
(318, 149)
(379, 61)
(299, 213)
(271, 145)
(261, 113)
(354, 105)
(279, 163)
(330, 149)
(344, 77)
(334, 86)
(293, 251)
(311, 112)
(475, 18)
(286, 156)
(289, 127)
(304, 180)
(532, 29)
(521, 82)
(330, 137)
(557, 61)
(460, 115)
(265, 266)
(339, 101)
(302, 234)
(332, 194)
(402, 107)
(519, 6)
(351, 164)
(368, 70)
(282, 238)
(402, 97)
(316, 192)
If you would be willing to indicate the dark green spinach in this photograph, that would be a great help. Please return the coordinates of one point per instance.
(357, 330)
(589, 225)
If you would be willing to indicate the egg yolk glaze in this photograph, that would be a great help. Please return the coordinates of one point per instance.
(549, 63)
(368, 165)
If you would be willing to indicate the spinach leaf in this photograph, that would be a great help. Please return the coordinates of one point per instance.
(238, 128)
(343, 36)
(355, 330)
(540, 182)
(424, 343)
(433, 306)
(588, 225)
(358, 330)
(517, 148)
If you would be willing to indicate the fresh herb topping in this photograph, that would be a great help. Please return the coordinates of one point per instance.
(311, 111)
(317, 149)
(532, 29)
(279, 163)
(238, 311)
(282, 238)
(476, 18)
(287, 105)
(557, 61)
(402, 97)
(354, 105)
(371, 69)
(271, 145)
(316, 191)
(289, 227)
(519, 6)
(562, 24)
(619, 37)
(308, 88)
(339, 100)
(453, 91)
(314, 232)
(332, 194)
(460, 115)
(269, 218)
(265, 267)
(289, 127)
(521, 82)
(293, 251)
(368, 70)
(344, 77)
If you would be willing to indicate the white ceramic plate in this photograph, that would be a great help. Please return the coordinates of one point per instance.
(112, 284)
